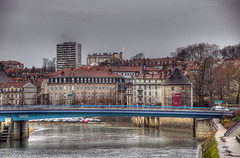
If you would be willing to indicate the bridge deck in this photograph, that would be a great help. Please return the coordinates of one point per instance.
(29, 114)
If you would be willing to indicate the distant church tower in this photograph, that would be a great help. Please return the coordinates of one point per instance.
(177, 90)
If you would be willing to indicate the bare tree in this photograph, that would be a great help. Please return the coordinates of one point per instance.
(197, 52)
(231, 52)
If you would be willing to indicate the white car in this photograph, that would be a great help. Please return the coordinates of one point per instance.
(219, 108)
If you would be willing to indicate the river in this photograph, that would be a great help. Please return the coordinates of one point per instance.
(97, 141)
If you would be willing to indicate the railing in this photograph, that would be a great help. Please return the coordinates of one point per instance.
(215, 125)
(232, 128)
(136, 107)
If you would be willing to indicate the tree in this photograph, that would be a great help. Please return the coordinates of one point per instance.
(197, 52)
(138, 56)
(1, 66)
(231, 52)
(49, 65)
(201, 76)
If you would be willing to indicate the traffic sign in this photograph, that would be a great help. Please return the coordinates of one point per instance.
(218, 101)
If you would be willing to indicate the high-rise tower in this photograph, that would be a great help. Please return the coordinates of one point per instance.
(69, 55)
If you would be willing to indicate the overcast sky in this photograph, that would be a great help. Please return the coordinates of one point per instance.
(30, 29)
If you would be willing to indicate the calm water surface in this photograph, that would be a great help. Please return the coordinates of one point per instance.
(90, 141)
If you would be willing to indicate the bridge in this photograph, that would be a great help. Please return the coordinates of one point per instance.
(29, 112)
(13, 119)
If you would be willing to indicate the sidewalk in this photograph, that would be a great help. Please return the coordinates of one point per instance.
(227, 146)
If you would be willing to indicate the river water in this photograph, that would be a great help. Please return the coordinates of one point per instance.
(98, 141)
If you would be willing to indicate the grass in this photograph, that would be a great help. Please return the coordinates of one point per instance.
(209, 148)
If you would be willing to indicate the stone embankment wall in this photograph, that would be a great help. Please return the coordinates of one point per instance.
(158, 122)
(202, 128)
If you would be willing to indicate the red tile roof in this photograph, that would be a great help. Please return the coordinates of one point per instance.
(100, 71)
(150, 76)
(130, 69)
(14, 84)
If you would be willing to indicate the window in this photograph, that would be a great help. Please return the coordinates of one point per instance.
(150, 93)
(60, 95)
(156, 93)
(155, 86)
(145, 87)
(55, 88)
(64, 95)
(182, 88)
(51, 88)
(60, 88)
(172, 88)
(55, 95)
(149, 86)
(134, 93)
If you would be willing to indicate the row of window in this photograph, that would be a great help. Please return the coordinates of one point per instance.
(64, 95)
(147, 81)
(85, 80)
(146, 100)
(154, 63)
(145, 93)
(15, 96)
(145, 87)
(82, 88)
(11, 89)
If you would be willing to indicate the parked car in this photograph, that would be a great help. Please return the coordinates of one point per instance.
(219, 108)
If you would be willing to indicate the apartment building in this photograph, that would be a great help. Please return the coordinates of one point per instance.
(110, 58)
(69, 55)
(147, 89)
(95, 85)
(18, 93)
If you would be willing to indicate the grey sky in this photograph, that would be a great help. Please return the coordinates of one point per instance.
(30, 29)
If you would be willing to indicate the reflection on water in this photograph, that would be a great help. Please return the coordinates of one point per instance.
(88, 141)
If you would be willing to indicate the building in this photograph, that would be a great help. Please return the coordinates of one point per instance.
(95, 85)
(147, 89)
(177, 90)
(69, 55)
(18, 93)
(12, 65)
(108, 58)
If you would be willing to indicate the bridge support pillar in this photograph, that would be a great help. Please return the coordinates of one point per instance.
(17, 130)
(157, 122)
(203, 129)
(146, 122)
(152, 122)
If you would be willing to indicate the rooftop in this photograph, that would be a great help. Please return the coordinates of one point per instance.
(177, 78)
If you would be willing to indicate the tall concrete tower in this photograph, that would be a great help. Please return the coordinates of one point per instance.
(69, 55)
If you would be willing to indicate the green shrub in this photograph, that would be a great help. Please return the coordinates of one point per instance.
(236, 118)
(226, 121)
